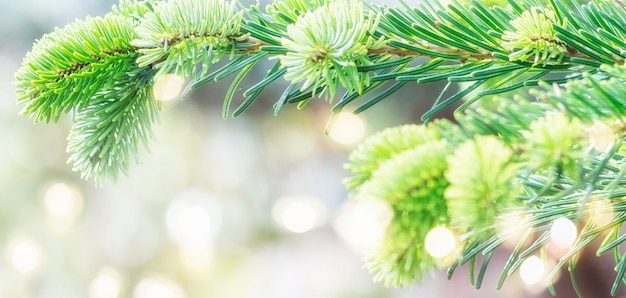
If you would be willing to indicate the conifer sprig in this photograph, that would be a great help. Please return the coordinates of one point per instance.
(68, 66)
(557, 156)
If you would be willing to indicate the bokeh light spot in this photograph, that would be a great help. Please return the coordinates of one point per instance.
(157, 287)
(188, 225)
(63, 201)
(440, 242)
(297, 214)
(563, 232)
(532, 270)
(24, 256)
(168, 87)
(347, 129)
(362, 222)
(299, 217)
(107, 284)
(601, 136)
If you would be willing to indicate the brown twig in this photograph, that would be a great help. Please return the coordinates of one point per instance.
(466, 55)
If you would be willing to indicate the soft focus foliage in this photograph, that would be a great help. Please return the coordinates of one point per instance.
(376, 150)
(412, 182)
(482, 177)
(556, 143)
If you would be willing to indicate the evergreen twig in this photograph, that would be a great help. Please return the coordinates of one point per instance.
(557, 156)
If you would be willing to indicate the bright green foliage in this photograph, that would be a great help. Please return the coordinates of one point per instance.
(68, 66)
(325, 47)
(180, 34)
(412, 182)
(88, 67)
(535, 25)
(493, 174)
(488, 3)
(134, 9)
(290, 10)
(553, 152)
(595, 29)
(379, 148)
(556, 143)
(109, 132)
(482, 176)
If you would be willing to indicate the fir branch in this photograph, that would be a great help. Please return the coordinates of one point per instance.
(178, 35)
(407, 181)
(325, 47)
(550, 158)
(67, 67)
(109, 132)
(376, 150)
(561, 176)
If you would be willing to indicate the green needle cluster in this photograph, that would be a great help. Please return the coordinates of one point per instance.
(538, 134)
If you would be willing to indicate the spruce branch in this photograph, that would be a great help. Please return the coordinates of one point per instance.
(68, 66)
(109, 132)
(557, 156)
(571, 167)
(178, 35)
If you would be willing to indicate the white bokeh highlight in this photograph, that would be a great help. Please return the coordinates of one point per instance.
(532, 270)
(64, 204)
(563, 233)
(347, 129)
(440, 242)
(24, 256)
(601, 136)
(106, 284)
(168, 87)
(298, 214)
(362, 222)
(157, 287)
(193, 219)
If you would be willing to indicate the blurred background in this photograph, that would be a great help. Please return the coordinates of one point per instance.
(248, 207)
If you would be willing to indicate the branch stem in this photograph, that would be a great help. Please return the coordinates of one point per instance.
(466, 55)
